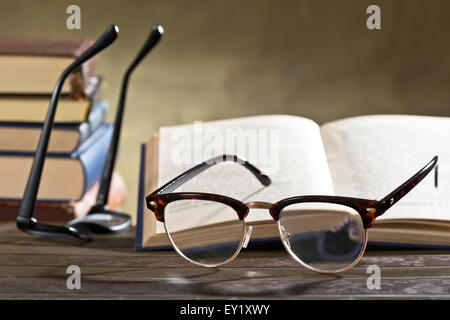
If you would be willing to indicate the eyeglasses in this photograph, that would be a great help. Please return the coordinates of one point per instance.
(99, 219)
(326, 234)
(25, 220)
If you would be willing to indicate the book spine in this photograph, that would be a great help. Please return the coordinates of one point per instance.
(140, 203)
(92, 156)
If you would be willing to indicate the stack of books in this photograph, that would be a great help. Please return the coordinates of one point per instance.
(79, 140)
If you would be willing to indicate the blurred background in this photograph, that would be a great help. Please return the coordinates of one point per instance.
(226, 59)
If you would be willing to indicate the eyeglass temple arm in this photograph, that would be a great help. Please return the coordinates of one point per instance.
(31, 190)
(108, 167)
(191, 173)
(406, 187)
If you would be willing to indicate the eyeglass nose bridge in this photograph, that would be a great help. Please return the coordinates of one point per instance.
(261, 205)
(258, 205)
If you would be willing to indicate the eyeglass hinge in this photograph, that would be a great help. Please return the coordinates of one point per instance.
(152, 205)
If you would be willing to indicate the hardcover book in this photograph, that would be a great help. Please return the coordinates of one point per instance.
(363, 157)
(65, 137)
(65, 177)
(33, 108)
(64, 211)
(32, 65)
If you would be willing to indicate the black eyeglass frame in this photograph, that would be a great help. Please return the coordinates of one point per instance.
(25, 220)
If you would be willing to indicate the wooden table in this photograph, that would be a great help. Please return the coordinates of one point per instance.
(35, 268)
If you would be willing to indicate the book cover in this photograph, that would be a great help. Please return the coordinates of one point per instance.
(138, 240)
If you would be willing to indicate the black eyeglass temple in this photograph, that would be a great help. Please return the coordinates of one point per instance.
(30, 194)
(108, 168)
(407, 186)
(191, 173)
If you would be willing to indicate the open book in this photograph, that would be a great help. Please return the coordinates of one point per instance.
(363, 157)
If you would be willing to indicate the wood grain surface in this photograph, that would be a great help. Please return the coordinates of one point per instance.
(35, 268)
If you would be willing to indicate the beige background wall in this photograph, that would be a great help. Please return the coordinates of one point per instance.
(222, 59)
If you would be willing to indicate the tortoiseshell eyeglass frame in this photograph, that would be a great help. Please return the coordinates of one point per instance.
(369, 210)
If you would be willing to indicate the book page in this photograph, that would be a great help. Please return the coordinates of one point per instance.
(288, 149)
(370, 156)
